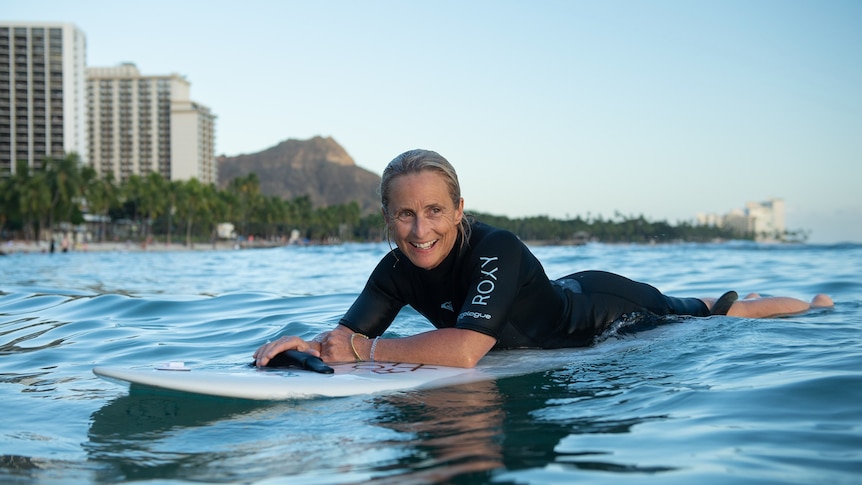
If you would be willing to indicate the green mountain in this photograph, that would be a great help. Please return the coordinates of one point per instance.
(319, 168)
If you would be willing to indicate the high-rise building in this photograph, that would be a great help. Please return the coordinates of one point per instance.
(763, 220)
(766, 219)
(42, 96)
(139, 124)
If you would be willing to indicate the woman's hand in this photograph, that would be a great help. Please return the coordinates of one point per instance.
(266, 352)
(343, 345)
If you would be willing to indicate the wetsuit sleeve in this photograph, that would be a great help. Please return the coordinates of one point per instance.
(495, 273)
(378, 304)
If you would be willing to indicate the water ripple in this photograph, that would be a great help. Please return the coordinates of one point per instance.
(696, 400)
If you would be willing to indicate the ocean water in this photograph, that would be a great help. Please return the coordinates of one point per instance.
(708, 400)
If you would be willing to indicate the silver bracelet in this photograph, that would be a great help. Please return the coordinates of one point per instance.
(374, 347)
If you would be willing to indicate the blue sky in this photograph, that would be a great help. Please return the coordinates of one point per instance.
(558, 108)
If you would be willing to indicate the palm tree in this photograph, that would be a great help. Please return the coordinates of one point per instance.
(34, 205)
(101, 194)
(300, 211)
(63, 179)
(228, 206)
(152, 200)
(9, 197)
(213, 210)
(132, 192)
(247, 192)
(174, 189)
(188, 200)
(273, 216)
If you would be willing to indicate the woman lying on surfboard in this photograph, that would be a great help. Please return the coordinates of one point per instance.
(482, 287)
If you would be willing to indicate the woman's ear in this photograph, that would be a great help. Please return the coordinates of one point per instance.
(459, 211)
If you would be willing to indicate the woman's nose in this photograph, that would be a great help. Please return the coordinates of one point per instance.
(420, 225)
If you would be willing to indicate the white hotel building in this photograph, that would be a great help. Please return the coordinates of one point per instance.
(42, 98)
(114, 118)
(140, 124)
(765, 220)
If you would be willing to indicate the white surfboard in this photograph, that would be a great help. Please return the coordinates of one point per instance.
(349, 379)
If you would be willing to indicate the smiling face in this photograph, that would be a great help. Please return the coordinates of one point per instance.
(422, 217)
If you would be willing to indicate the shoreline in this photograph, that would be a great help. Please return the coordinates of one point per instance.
(32, 247)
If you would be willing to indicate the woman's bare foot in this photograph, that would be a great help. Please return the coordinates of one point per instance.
(821, 301)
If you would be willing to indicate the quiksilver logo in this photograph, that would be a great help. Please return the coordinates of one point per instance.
(448, 306)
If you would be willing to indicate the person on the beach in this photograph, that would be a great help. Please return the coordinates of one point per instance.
(482, 288)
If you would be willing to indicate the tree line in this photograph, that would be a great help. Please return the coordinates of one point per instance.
(37, 203)
(620, 229)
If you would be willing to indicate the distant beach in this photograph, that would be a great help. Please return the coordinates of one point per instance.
(29, 247)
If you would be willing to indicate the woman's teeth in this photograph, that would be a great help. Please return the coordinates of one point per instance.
(424, 245)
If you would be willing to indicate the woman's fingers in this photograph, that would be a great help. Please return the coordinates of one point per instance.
(266, 352)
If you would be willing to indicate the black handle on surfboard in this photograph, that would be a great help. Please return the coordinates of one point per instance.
(295, 358)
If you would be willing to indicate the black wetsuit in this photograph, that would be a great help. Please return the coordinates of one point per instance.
(496, 286)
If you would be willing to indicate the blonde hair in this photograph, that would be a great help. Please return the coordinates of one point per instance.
(415, 161)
